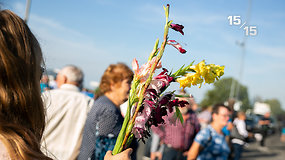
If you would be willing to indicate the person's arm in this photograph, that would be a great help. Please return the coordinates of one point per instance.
(125, 155)
(154, 142)
(229, 125)
(202, 139)
(264, 122)
(154, 146)
(194, 151)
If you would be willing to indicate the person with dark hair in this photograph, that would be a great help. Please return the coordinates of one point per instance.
(210, 143)
(264, 122)
(104, 120)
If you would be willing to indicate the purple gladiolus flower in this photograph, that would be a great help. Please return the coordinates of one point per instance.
(165, 99)
(161, 81)
(151, 94)
(141, 121)
(176, 45)
(154, 107)
(177, 27)
(176, 102)
(158, 113)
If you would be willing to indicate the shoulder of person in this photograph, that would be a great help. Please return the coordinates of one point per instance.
(205, 133)
(103, 105)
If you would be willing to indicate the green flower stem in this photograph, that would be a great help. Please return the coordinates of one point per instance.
(128, 124)
(145, 86)
(122, 133)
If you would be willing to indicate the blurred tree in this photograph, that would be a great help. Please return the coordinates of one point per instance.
(275, 106)
(221, 91)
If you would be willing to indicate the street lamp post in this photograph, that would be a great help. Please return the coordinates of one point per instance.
(235, 87)
(28, 6)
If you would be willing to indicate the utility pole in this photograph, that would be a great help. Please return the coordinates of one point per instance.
(28, 7)
(235, 86)
(242, 45)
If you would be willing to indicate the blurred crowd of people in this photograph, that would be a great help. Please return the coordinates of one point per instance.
(56, 118)
(209, 132)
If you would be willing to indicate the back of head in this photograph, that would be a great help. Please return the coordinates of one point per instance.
(73, 75)
(22, 117)
(114, 74)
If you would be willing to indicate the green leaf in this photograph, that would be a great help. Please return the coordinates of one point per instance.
(177, 72)
(154, 50)
(184, 95)
(182, 71)
(179, 115)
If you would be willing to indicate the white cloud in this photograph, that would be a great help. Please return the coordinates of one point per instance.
(52, 24)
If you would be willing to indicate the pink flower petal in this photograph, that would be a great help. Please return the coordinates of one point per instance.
(135, 65)
(176, 45)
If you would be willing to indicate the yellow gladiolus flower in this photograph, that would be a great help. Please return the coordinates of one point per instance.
(203, 73)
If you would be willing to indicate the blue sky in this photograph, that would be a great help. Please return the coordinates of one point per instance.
(95, 33)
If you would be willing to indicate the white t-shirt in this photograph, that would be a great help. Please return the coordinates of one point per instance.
(241, 127)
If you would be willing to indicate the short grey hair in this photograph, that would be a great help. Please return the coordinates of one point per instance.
(73, 74)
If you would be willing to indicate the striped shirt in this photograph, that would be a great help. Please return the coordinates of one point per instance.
(179, 136)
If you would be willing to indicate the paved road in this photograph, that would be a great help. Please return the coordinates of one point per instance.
(275, 150)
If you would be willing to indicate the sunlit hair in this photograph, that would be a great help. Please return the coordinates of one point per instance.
(22, 116)
(115, 74)
(73, 74)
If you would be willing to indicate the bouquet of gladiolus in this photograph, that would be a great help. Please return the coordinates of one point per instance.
(147, 104)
